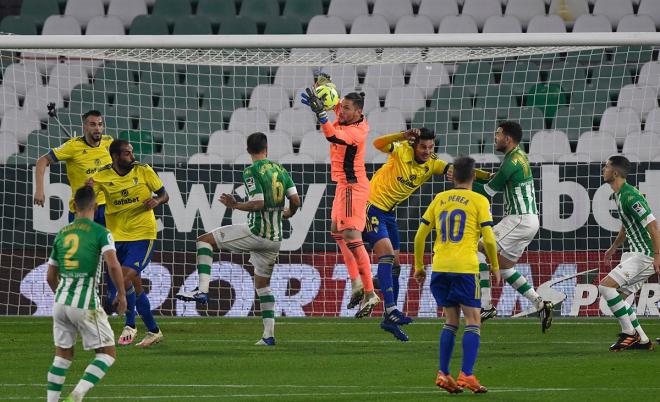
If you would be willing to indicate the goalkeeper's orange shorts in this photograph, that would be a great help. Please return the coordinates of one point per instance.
(349, 207)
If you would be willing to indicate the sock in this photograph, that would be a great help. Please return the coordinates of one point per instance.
(349, 260)
(471, 339)
(396, 271)
(56, 377)
(364, 264)
(447, 340)
(484, 283)
(93, 374)
(267, 301)
(637, 326)
(130, 306)
(520, 284)
(204, 261)
(385, 273)
(144, 309)
(619, 307)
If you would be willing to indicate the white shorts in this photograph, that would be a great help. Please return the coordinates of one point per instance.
(633, 270)
(238, 238)
(514, 233)
(92, 325)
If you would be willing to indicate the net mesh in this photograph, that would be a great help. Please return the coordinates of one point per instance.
(188, 112)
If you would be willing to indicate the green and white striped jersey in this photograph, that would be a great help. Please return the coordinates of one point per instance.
(515, 179)
(270, 182)
(635, 214)
(76, 253)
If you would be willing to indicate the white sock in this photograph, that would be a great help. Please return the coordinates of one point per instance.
(484, 283)
(204, 262)
(93, 374)
(267, 302)
(56, 377)
(619, 307)
(356, 284)
(520, 284)
(636, 325)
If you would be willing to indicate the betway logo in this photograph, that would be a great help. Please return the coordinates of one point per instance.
(553, 190)
(184, 212)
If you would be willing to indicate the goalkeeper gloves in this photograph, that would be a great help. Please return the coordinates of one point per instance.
(310, 99)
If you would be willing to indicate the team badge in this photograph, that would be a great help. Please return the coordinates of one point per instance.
(97, 162)
(124, 193)
(249, 182)
(135, 180)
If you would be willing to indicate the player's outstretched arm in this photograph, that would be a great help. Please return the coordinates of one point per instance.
(652, 228)
(230, 202)
(383, 142)
(420, 241)
(490, 247)
(42, 163)
(114, 270)
(618, 242)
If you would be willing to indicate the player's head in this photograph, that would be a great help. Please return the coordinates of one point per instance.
(85, 199)
(508, 135)
(350, 110)
(121, 152)
(424, 144)
(463, 170)
(93, 125)
(257, 143)
(617, 166)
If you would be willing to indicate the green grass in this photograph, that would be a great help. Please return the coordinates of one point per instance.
(339, 360)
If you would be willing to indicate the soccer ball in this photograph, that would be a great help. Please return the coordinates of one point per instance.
(328, 95)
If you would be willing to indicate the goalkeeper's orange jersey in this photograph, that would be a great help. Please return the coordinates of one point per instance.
(347, 144)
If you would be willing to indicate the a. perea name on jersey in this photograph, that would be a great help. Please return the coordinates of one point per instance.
(410, 182)
(126, 201)
(459, 199)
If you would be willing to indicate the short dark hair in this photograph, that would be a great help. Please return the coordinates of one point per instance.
(85, 198)
(356, 98)
(116, 145)
(257, 143)
(621, 164)
(512, 129)
(425, 134)
(463, 169)
(92, 112)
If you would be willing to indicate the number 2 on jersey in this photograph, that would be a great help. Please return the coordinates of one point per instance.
(71, 241)
(448, 223)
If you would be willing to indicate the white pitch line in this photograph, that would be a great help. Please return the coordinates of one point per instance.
(350, 341)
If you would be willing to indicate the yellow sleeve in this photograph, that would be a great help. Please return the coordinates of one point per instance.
(440, 167)
(486, 223)
(64, 151)
(385, 143)
(481, 174)
(425, 227)
(153, 181)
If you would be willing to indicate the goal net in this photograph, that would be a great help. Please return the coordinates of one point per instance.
(187, 111)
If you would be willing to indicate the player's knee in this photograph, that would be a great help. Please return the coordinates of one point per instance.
(108, 350)
(605, 290)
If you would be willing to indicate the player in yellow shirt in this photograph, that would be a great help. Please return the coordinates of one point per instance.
(83, 157)
(460, 217)
(128, 187)
(411, 163)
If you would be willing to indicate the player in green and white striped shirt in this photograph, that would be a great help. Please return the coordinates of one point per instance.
(640, 227)
(520, 224)
(73, 275)
(267, 184)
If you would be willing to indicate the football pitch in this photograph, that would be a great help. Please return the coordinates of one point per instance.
(339, 360)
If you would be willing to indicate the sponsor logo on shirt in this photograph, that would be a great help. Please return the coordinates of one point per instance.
(249, 182)
(639, 208)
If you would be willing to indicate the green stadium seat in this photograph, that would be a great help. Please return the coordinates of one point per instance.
(18, 25)
(116, 121)
(594, 56)
(303, 10)
(204, 77)
(38, 144)
(472, 73)
(610, 77)
(283, 26)
(592, 101)
(159, 76)
(181, 145)
(180, 98)
(39, 10)
(244, 78)
(142, 141)
(571, 77)
(573, 121)
(224, 100)
(238, 26)
(149, 25)
(440, 121)
(192, 25)
(72, 122)
(84, 97)
(531, 119)
(452, 97)
(260, 10)
(204, 122)
(171, 9)
(632, 57)
(138, 97)
(496, 96)
(477, 126)
(163, 122)
(216, 10)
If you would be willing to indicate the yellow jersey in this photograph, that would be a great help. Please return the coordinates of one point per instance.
(82, 161)
(401, 176)
(458, 216)
(125, 214)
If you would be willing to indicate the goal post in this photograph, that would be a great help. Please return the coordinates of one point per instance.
(187, 103)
